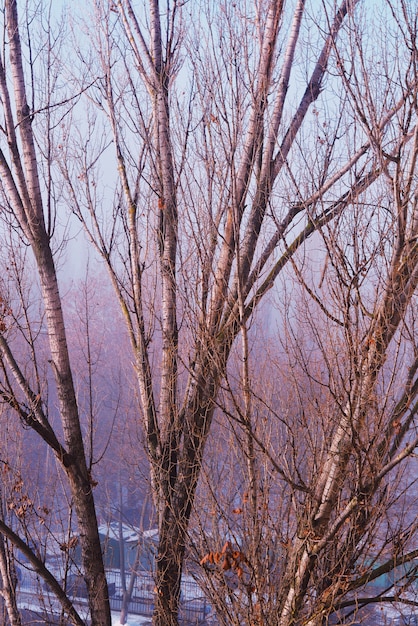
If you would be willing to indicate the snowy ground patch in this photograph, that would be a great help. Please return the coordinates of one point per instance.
(133, 620)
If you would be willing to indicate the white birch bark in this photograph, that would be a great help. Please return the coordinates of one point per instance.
(27, 204)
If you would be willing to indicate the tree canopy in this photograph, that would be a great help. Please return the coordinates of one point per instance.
(245, 174)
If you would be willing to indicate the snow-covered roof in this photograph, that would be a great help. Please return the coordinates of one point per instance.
(152, 533)
(130, 534)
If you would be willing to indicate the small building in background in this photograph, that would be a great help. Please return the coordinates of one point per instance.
(121, 543)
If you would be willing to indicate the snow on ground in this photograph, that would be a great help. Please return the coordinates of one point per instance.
(133, 620)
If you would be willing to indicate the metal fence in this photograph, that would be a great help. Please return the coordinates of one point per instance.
(194, 607)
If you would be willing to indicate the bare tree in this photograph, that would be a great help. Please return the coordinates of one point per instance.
(9, 582)
(343, 447)
(239, 132)
(244, 135)
(28, 210)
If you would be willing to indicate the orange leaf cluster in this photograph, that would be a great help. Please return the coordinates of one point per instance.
(21, 507)
(19, 502)
(72, 542)
(227, 559)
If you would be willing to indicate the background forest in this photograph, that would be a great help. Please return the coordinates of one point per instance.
(208, 298)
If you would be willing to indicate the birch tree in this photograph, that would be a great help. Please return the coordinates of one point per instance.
(28, 213)
(244, 136)
(239, 131)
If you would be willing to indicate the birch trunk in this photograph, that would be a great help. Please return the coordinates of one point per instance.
(26, 202)
(8, 587)
(240, 236)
